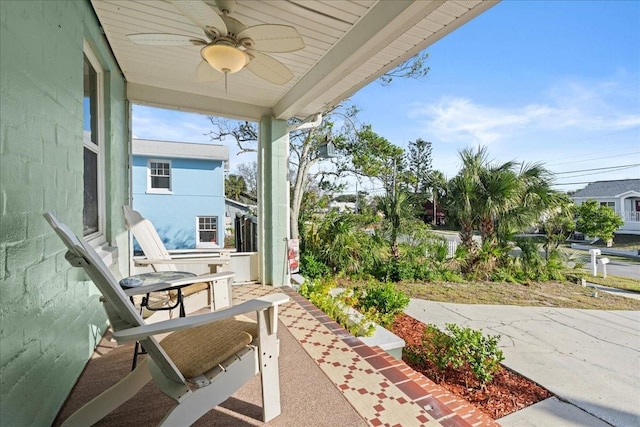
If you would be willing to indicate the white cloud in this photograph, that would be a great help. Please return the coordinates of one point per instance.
(569, 106)
(170, 126)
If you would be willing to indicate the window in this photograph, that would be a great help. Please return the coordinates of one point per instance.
(159, 176)
(92, 141)
(207, 232)
(611, 205)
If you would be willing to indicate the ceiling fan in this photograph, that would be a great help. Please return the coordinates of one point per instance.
(230, 45)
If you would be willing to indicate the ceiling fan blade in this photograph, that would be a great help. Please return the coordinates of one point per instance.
(200, 14)
(206, 73)
(165, 39)
(268, 68)
(234, 27)
(273, 38)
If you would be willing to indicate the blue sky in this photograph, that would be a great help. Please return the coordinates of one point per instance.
(556, 82)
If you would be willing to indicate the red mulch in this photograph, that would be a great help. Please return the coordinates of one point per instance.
(507, 393)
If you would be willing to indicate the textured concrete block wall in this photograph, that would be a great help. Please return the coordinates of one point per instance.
(50, 317)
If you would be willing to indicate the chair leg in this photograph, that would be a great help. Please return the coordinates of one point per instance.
(202, 400)
(268, 359)
(111, 398)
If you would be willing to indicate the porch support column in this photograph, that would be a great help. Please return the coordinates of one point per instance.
(273, 201)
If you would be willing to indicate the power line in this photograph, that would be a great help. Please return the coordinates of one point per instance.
(595, 173)
(598, 169)
(596, 158)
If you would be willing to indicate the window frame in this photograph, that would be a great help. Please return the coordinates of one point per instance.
(200, 244)
(611, 205)
(150, 189)
(98, 237)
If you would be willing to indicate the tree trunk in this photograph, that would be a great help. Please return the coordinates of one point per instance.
(466, 236)
(302, 175)
(435, 210)
(487, 230)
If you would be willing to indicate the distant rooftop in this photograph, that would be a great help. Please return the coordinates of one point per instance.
(602, 189)
(180, 150)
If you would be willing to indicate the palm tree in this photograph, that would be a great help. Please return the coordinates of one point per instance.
(461, 190)
(497, 192)
(496, 199)
(395, 207)
(438, 184)
(234, 186)
(534, 197)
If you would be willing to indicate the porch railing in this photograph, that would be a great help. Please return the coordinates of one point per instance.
(632, 216)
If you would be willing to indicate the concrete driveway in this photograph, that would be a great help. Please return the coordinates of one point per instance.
(590, 359)
(616, 267)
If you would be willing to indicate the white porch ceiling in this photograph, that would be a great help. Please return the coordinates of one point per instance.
(349, 43)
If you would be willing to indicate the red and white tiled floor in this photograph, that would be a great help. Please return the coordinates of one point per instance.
(384, 391)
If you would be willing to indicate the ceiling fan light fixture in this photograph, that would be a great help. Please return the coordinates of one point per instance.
(224, 58)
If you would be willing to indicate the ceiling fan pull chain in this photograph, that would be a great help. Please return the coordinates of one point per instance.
(226, 90)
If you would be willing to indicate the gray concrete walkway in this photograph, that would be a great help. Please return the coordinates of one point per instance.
(590, 359)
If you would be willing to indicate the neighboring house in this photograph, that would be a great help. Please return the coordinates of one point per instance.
(623, 196)
(343, 206)
(242, 222)
(233, 207)
(180, 188)
(427, 214)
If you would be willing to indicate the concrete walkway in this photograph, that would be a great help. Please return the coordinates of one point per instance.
(590, 359)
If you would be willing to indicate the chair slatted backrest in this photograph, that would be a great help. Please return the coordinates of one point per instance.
(148, 238)
(121, 312)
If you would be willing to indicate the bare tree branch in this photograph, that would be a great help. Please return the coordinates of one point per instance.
(243, 133)
(413, 68)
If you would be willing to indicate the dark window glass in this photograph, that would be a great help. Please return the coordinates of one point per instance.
(208, 229)
(90, 211)
(160, 175)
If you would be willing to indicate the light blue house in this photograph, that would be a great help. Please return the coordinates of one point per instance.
(180, 188)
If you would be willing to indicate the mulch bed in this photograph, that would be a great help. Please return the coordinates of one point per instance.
(507, 393)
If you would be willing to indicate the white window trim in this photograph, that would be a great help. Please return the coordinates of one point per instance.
(200, 244)
(98, 238)
(159, 190)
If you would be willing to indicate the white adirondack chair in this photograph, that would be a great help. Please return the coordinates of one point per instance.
(160, 259)
(199, 365)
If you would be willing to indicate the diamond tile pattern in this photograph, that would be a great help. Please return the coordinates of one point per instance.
(384, 391)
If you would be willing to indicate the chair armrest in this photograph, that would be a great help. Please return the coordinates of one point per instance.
(202, 251)
(179, 283)
(141, 332)
(210, 261)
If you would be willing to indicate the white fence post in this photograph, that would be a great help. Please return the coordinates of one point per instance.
(594, 266)
(451, 246)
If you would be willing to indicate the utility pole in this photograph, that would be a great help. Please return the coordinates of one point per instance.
(393, 194)
(356, 194)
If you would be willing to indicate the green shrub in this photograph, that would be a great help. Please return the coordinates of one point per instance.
(382, 300)
(312, 268)
(318, 292)
(462, 346)
(399, 269)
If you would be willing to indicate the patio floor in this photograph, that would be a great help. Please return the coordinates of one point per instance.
(327, 378)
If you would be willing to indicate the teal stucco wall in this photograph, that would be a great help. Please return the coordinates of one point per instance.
(50, 317)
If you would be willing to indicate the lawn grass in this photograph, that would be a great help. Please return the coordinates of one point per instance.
(622, 241)
(616, 282)
(539, 294)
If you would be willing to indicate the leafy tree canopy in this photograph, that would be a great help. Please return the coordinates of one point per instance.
(597, 220)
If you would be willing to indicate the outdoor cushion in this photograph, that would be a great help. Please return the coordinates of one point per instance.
(197, 350)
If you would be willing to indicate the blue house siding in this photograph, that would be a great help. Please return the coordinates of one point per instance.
(197, 189)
